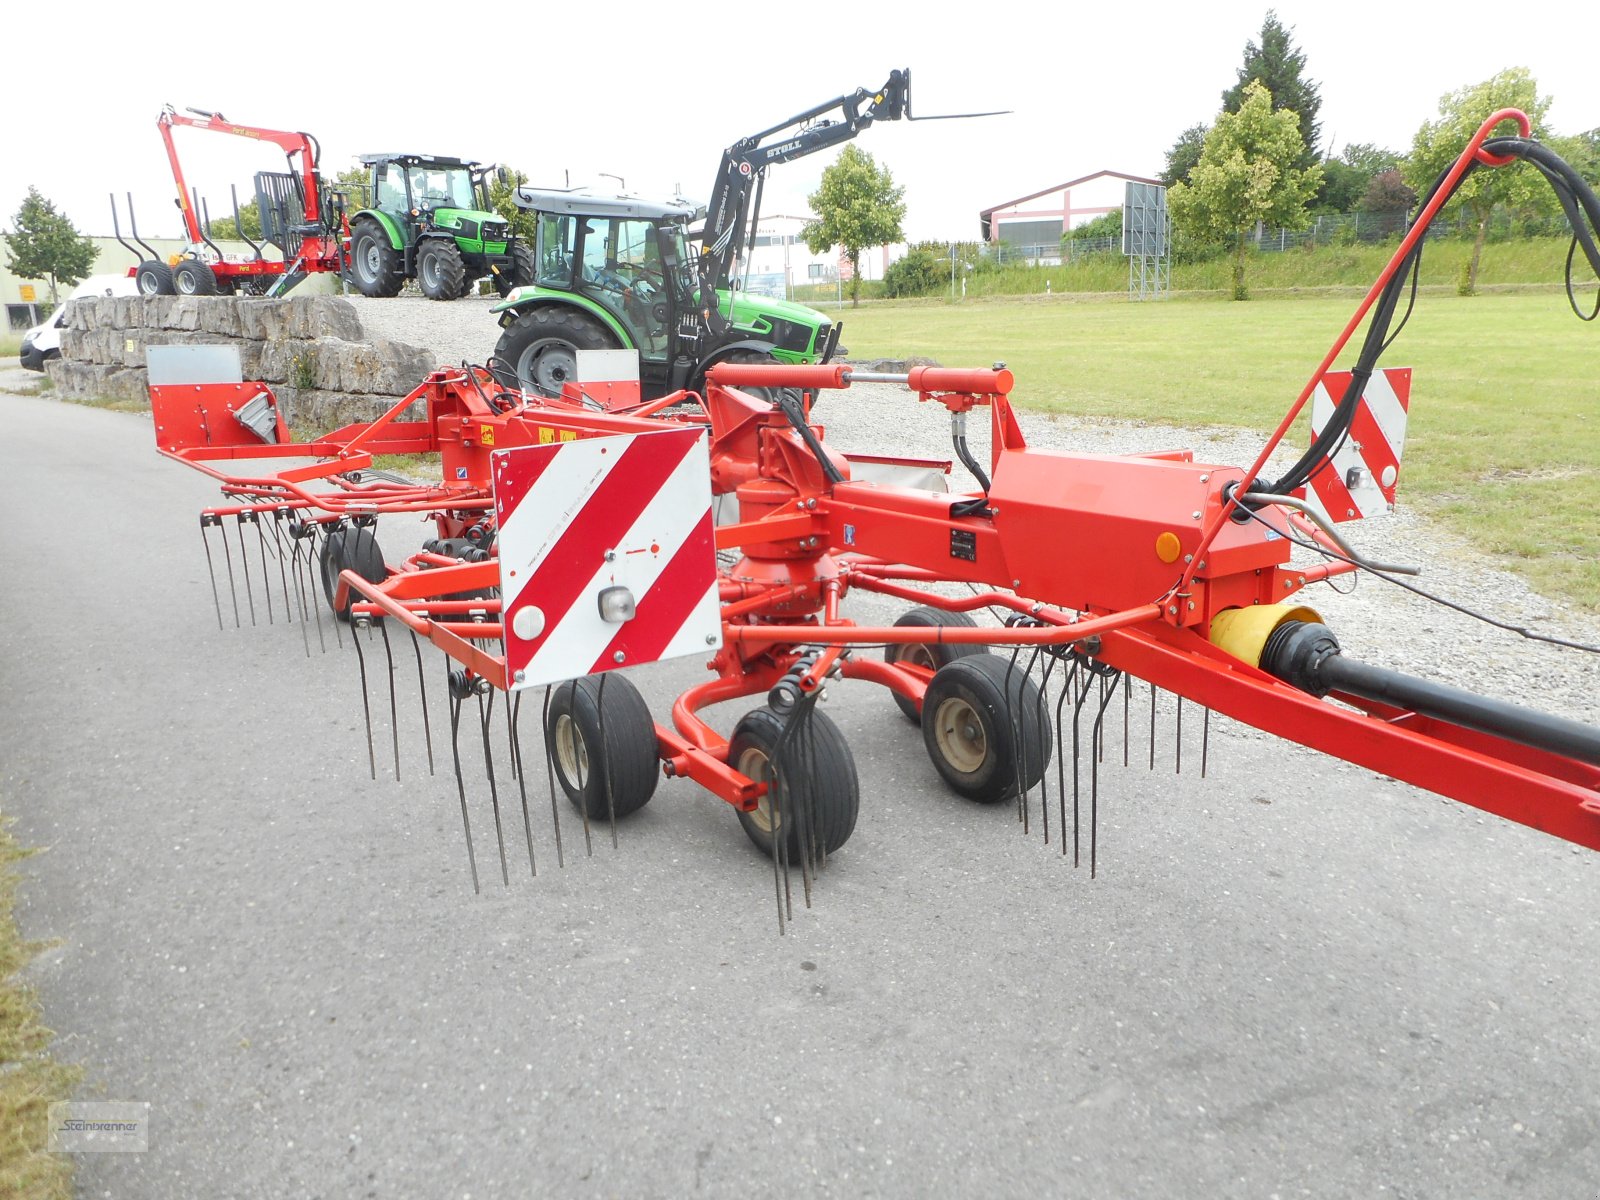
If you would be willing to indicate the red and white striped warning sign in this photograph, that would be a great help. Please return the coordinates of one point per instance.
(1359, 479)
(606, 551)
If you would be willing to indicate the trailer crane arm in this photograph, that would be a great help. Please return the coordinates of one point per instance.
(304, 172)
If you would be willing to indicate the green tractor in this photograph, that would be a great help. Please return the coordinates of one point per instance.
(430, 220)
(616, 273)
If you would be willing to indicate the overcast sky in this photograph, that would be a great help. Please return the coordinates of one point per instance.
(571, 91)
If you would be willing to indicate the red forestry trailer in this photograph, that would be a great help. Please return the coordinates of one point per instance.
(299, 218)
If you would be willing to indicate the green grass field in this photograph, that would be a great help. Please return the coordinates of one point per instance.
(1503, 442)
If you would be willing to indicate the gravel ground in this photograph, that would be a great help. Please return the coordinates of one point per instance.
(1374, 621)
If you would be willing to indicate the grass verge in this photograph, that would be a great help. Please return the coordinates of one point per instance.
(30, 1080)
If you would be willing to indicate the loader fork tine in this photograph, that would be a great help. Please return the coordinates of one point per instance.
(549, 767)
(484, 716)
(422, 689)
(206, 522)
(394, 707)
(521, 778)
(1107, 694)
(366, 705)
(461, 787)
(244, 555)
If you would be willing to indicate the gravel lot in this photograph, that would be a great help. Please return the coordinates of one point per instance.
(1375, 621)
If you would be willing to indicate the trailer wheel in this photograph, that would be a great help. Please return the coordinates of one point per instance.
(928, 654)
(191, 277)
(626, 759)
(984, 725)
(821, 777)
(154, 278)
(375, 265)
(350, 549)
(542, 347)
(440, 270)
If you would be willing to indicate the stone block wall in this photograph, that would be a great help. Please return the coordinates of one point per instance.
(310, 349)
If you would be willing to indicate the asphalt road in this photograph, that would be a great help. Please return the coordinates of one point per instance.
(1290, 978)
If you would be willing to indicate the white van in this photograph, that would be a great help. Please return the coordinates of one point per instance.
(43, 341)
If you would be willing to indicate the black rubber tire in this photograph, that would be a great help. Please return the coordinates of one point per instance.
(520, 273)
(982, 718)
(828, 772)
(541, 346)
(376, 267)
(629, 760)
(469, 285)
(928, 654)
(191, 277)
(154, 278)
(441, 272)
(353, 548)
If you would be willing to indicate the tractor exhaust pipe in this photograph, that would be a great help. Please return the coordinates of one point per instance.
(1306, 655)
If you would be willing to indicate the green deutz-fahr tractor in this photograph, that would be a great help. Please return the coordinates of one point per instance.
(431, 221)
(616, 273)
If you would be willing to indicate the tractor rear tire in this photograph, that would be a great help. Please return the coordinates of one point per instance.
(441, 273)
(624, 762)
(984, 725)
(352, 548)
(376, 267)
(154, 278)
(191, 277)
(929, 654)
(823, 773)
(541, 347)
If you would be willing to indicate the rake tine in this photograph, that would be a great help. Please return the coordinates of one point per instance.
(461, 787)
(1177, 768)
(249, 592)
(277, 552)
(1067, 686)
(299, 590)
(521, 778)
(310, 590)
(1077, 716)
(1043, 712)
(322, 530)
(484, 716)
(1127, 692)
(511, 742)
(1152, 727)
(555, 809)
(422, 687)
(394, 708)
(611, 804)
(1205, 741)
(366, 706)
(1018, 736)
(216, 600)
(1106, 696)
(266, 577)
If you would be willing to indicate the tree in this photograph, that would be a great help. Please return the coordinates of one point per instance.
(1278, 65)
(1439, 143)
(858, 206)
(1345, 179)
(46, 245)
(1246, 174)
(223, 228)
(1388, 194)
(523, 223)
(1183, 156)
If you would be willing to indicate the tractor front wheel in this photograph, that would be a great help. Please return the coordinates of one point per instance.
(542, 346)
(154, 278)
(984, 725)
(602, 744)
(818, 795)
(192, 277)
(518, 274)
(440, 270)
(375, 265)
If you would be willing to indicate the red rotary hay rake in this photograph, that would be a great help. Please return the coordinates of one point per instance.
(576, 536)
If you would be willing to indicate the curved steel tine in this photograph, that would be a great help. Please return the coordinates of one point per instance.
(394, 707)
(484, 716)
(1107, 695)
(521, 777)
(461, 787)
(422, 688)
(549, 767)
(366, 705)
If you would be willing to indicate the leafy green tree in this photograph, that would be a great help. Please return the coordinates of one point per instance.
(858, 206)
(1387, 193)
(356, 184)
(249, 218)
(523, 223)
(1184, 155)
(1279, 66)
(46, 245)
(1370, 160)
(1439, 143)
(920, 272)
(1247, 174)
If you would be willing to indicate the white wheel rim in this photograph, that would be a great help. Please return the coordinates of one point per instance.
(958, 731)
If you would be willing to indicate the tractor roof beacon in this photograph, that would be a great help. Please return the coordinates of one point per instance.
(616, 273)
(429, 218)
